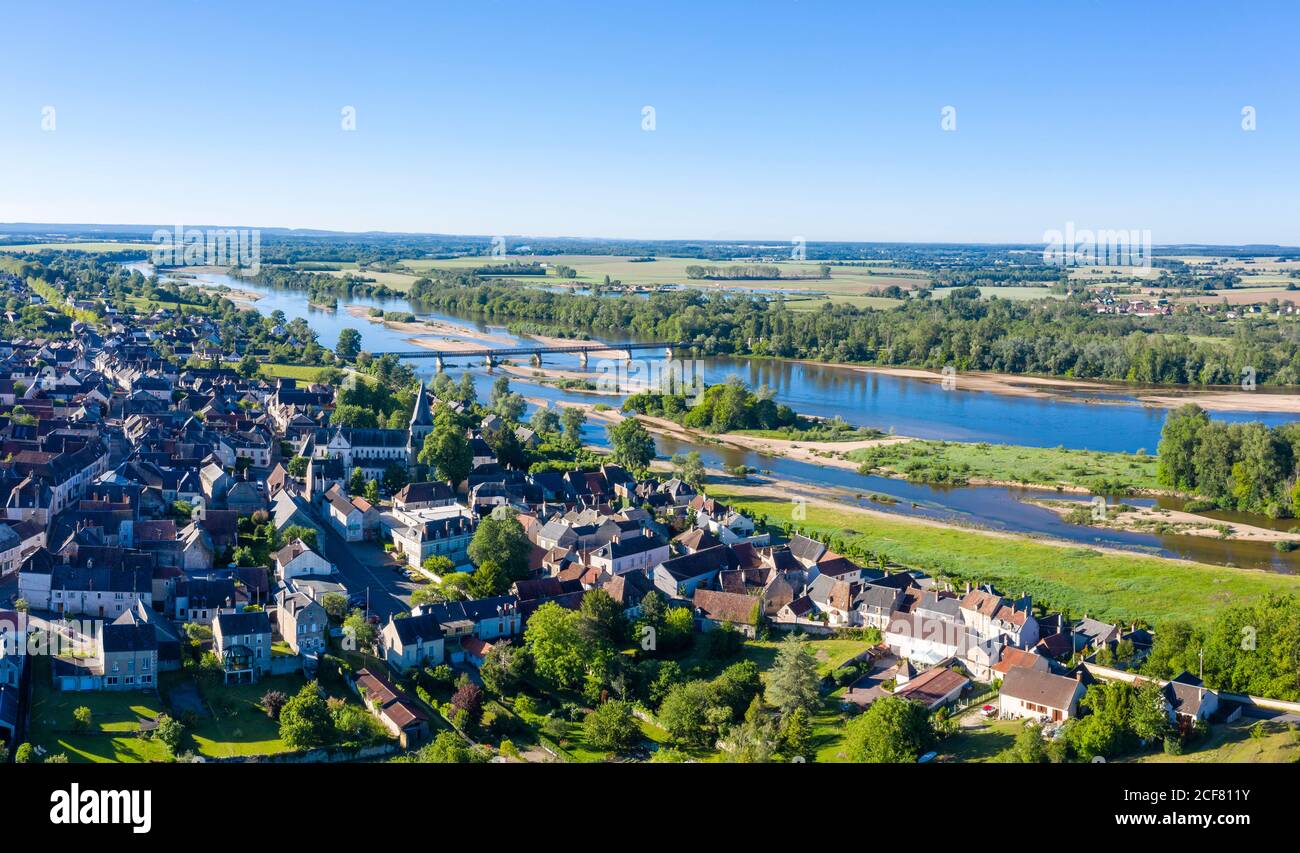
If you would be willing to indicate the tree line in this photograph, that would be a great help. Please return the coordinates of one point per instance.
(1050, 337)
(1248, 467)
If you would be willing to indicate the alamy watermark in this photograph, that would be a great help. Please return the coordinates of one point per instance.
(214, 247)
(1085, 247)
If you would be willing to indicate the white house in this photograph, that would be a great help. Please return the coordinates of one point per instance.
(1028, 693)
(296, 559)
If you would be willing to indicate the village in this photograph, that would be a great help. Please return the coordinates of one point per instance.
(198, 565)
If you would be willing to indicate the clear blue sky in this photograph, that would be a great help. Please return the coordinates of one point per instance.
(774, 120)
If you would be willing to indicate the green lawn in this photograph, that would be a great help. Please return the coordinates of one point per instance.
(1127, 587)
(240, 726)
(981, 742)
(115, 719)
(958, 462)
(1234, 744)
(302, 372)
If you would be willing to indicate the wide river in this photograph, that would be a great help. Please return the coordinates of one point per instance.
(908, 406)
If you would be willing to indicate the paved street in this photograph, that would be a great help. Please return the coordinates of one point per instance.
(364, 565)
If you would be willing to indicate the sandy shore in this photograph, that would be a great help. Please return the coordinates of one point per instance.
(434, 334)
(1143, 519)
(1218, 400)
(234, 294)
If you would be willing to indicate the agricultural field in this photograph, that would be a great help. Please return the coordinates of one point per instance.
(592, 269)
(101, 246)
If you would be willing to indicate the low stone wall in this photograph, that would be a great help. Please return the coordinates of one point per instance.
(313, 756)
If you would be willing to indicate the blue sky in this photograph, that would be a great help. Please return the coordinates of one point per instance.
(773, 120)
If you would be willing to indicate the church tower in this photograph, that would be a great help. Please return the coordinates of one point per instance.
(421, 419)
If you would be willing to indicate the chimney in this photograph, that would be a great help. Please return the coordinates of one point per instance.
(1078, 675)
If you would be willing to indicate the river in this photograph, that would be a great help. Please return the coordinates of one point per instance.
(908, 406)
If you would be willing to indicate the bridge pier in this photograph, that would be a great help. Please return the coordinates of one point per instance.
(668, 353)
(582, 357)
(439, 364)
(536, 359)
(491, 361)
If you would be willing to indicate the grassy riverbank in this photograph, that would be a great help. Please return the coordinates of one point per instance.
(958, 463)
(1105, 584)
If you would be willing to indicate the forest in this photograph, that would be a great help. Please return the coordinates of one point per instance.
(1048, 337)
(1244, 466)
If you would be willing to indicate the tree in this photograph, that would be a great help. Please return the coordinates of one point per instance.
(359, 630)
(505, 444)
(689, 467)
(1029, 747)
(357, 482)
(169, 732)
(297, 531)
(349, 345)
(892, 731)
(297, 467)
(438, 564)
(504, 667)
(793, 681)
(305, 721)
(273, 702)
(612, 727)
(24, 754)
(600, 617)
(545, 421)
(449, 454)
(501, 538)
(506, 403)
(684, 714)
(372, 491)
(447, 748)
(755, 740)
(336, 606)
(395, 477)
(468, 699)
(633, 445)
(555, 643)
(81, 719)
(1104, 731)
(488, 579)
(796, 734)
(573, 420)
(353, 415)
(1148, 717)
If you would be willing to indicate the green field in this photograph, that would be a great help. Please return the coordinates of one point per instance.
(958, 462)
(1108, 585)
(859, 281)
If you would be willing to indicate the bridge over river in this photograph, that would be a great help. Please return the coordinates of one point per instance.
(493, 355)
